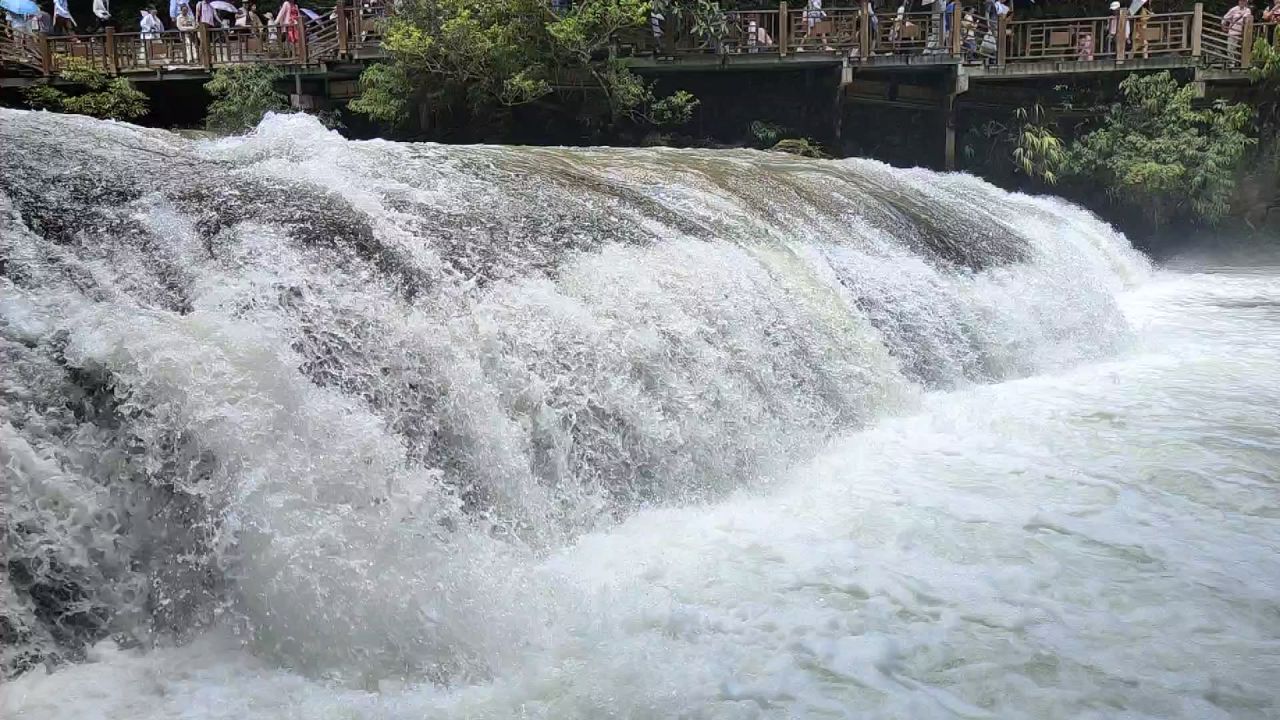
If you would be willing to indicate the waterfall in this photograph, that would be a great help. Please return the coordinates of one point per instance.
(329, 393)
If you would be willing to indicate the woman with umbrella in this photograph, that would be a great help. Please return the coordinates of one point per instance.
(21, 12)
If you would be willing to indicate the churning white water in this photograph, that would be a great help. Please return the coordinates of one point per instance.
(295, 427)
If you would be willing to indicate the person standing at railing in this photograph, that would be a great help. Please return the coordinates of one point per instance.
(205, 14)
(151, 26)
(1084, 44)
(63, 23)
(287, 21)
(814, 16)
(175, 9)
(969, 33)
(186, 22)
(1141, 10)
(898, 28)
(656, 20)
(1233, 22)
(101, 15)
(1271, 16)
(1113, 27)
(757, 36)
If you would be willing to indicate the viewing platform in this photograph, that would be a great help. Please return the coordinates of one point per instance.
(346, 36)
(759, 39)
(860, 38)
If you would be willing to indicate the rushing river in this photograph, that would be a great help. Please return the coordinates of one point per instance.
(296, 427)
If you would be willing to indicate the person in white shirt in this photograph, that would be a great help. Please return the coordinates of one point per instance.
(151, 25)
(102, 13)
(186, 22)
(63, 23)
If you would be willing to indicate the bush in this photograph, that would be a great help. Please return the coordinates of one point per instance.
(242, 95)
(800, 146)
(1159, 155)
(674, 110)
(497, 54)
(89, 92)
(765, 134)
(384, 94)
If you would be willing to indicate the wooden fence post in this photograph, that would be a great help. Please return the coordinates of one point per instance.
(341, 12)
(46, 54)
(206, 58)
(957, 37)
(1002, 40)
(110, 45)
(784, 28)
(864, 30)
(1246, 43)
(302, 40)
(1122, 35)
(1197, 30)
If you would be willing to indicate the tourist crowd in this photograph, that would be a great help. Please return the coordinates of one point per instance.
(55, 18)
(978, 31)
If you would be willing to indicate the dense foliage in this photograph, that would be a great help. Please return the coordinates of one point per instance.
(1156, 153)
(504, 53)
(89, 91)
(242, 95)
(1038, 153)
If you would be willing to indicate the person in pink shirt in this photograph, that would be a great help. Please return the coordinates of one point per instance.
(1233, 22)
(205, 14)
(287, 19)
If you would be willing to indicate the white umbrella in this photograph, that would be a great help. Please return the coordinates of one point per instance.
(223, 5)
(311, 14)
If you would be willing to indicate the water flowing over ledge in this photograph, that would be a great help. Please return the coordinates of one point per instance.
(327, 394)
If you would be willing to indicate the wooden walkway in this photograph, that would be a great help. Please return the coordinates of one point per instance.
(347, 34)
(851, 37)
(856, 36)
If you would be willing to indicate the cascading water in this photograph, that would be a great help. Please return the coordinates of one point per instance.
(379, 429)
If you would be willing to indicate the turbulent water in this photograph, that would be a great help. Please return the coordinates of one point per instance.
(297, 427)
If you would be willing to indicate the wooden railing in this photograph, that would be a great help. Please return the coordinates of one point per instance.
(861, 35)
(348, 33)
(854, 33)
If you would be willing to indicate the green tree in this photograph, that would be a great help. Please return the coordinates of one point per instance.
(1158, 154)
(88, 91)
(242, 95)
(503, 53)
(385, 91)
(674, 109)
